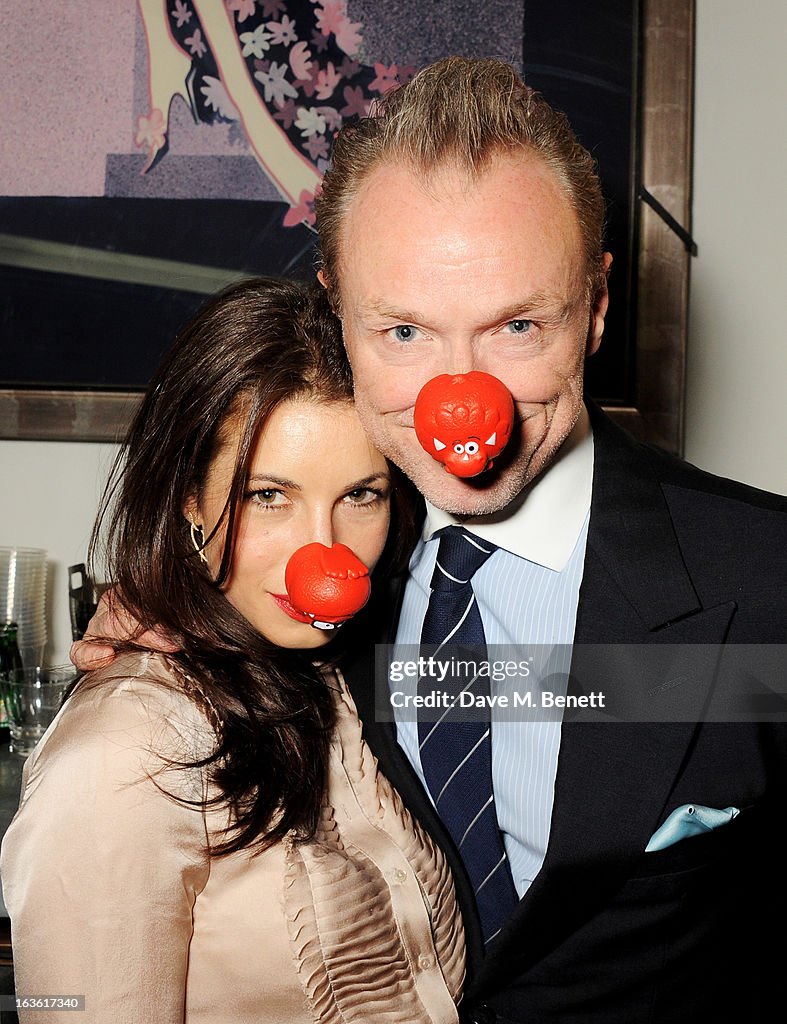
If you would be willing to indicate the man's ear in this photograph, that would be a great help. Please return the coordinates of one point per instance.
(325, 281)
(599, 310)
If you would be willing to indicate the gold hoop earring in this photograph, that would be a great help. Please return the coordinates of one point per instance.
(197, 535)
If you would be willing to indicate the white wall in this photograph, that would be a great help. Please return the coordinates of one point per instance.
(737, 369)
(737, 363)
(50, 496)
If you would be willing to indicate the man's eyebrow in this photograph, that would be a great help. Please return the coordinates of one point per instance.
(380, 308)
(553, 306)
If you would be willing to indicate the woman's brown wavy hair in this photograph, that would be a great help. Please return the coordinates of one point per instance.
(253, 346)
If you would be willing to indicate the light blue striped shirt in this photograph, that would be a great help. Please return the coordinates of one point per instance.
(527, 593)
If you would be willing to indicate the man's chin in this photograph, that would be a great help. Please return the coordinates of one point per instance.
(477, 496)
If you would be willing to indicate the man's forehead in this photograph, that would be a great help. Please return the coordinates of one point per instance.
(397, 205)
(404, 235)
(400, 178)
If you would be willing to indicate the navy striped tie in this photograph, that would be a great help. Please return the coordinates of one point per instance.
(456, 756)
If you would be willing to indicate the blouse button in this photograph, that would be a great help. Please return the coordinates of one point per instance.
(426, 963)
(397, 876)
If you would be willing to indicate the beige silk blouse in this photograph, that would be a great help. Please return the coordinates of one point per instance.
(113, 895)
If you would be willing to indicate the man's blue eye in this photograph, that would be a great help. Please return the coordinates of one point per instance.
(404, 332)
(519, 326)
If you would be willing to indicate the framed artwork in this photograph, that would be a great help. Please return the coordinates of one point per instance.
(216, 132)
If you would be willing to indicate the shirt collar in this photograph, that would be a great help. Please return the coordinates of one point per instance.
(544, 522)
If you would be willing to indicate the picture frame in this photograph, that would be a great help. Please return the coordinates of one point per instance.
(660, 198)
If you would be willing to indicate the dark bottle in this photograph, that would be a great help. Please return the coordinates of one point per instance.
(9, 648)
(10, 661)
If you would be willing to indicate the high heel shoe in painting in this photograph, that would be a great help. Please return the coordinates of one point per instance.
(170, 74)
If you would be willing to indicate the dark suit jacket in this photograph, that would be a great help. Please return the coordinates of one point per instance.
(607, 933)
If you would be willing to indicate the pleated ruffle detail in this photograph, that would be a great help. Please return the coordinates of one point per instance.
(370, 906)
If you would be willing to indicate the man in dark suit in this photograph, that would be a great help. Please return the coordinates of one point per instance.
(461, 229)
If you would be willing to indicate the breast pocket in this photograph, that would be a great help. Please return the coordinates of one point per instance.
(730, 848)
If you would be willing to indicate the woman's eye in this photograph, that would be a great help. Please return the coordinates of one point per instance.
(368, 498)
(405, 332)
(268, 497)
(362, 496)
(519, 326)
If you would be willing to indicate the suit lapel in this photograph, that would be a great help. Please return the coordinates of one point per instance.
(632, 535)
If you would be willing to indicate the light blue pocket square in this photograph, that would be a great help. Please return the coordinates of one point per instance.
(689, 820)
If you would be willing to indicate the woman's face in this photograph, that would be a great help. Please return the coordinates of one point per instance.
(313, 477)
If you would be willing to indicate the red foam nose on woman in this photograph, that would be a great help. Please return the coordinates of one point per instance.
(464, 420)
(330, 585)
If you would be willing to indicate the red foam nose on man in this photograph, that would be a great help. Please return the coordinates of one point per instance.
(464, 420)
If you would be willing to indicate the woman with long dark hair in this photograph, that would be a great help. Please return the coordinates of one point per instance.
(203, 836)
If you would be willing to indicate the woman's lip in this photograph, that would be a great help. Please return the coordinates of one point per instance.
(284, 603)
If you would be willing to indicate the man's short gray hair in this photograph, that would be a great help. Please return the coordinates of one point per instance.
(459, 112)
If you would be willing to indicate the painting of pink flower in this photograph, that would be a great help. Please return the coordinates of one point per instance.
(181, 13)
(301, 60)
(348, 37)
(327, 80)
(196, 44)
(316, 146)
(243, 8)
(151, 130)
(283, 32)
(385, 78)
(303, 212)
(356, 103)
(329, 16)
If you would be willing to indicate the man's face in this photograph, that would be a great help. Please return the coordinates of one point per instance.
(467, 275)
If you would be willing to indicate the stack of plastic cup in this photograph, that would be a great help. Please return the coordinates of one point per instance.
(23, 599)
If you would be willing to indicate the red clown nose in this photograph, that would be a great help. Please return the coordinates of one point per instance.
(464, 420)
(329, 585)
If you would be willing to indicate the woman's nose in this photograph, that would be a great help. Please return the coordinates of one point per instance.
(320, 528)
